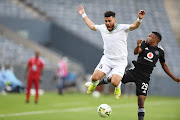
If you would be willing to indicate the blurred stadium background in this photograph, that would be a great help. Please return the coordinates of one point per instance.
(54, 28)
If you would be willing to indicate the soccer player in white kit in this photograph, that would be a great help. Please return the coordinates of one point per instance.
(114, 37)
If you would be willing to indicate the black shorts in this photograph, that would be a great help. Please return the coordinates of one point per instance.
(142, 83)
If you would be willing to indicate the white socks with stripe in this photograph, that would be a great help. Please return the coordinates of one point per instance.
(141, 113)
(119, 85)
(95, 83)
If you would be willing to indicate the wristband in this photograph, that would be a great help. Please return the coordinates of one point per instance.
(139, 20)
(84, 15)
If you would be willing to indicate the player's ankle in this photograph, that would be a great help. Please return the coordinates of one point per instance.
(95, 83)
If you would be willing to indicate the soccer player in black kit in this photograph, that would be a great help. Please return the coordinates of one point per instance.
(149, 52)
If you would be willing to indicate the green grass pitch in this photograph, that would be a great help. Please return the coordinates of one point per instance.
(72, 106)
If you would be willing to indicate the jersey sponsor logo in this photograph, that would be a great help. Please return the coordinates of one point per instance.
(148, 59)
(150, 55)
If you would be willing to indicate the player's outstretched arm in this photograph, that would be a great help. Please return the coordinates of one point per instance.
(137, 50)
(168, 72)
(137, 23)
(88, 22)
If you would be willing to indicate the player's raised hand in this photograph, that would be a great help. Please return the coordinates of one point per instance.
(81, 10)
(141, 14)
(177, 80)
(139, 42)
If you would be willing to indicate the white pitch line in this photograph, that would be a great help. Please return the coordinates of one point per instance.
(85, 108)
(48, 111)
(29, 113)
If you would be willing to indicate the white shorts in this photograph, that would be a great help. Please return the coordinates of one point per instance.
(113, 66)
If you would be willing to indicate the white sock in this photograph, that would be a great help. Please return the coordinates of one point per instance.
(118, 85)
(95, 83)
(141, 113)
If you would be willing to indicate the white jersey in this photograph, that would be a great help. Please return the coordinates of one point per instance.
(115, 42)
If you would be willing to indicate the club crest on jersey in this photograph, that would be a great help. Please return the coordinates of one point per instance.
(150, 55)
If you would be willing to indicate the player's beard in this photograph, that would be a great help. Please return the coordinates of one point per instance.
(112, 28)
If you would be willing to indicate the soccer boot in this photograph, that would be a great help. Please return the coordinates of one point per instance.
(91, 88)
(117, 93)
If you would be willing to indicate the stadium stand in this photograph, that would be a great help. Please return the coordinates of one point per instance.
(65, 14)
(172, 9)
(12, 53)
(9, 8)
(15, 54)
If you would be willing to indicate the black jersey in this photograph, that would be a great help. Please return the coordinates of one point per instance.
(148, 58)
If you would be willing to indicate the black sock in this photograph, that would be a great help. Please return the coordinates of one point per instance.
(104, 81)
(141, 113)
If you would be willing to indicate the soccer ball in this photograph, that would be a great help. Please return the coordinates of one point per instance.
(87, 84)
(96, 94)
(104, 110)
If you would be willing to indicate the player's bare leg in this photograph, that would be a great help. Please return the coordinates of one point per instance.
(95, 80)
(116, 82)
(141, 110)
(102, 81)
